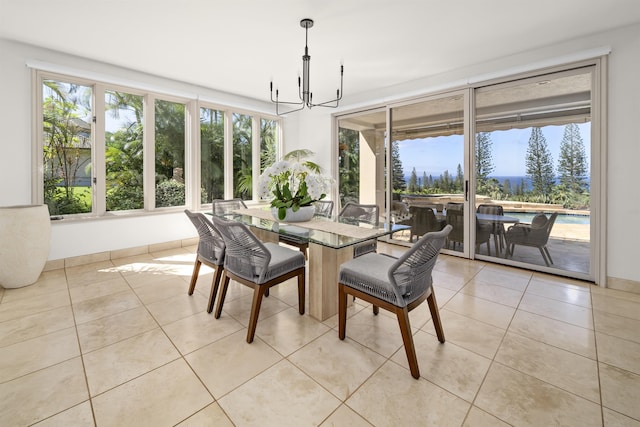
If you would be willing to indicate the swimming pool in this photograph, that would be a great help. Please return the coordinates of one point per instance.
(563, 218)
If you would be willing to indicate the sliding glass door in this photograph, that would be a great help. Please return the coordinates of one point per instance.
(428, 173)
(509, 166)
(361, 159)
(533, 165)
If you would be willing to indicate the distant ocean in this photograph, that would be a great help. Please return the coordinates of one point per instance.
(514, 180)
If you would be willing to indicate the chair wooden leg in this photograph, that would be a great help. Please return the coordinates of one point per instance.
(342, 311)
(258, 293)
(301, 293)
(407, 339)
(376, 310)
(194, 276)
(214, 287)
(223, 294)
(435, 316)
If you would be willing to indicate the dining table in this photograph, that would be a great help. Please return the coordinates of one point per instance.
(331, 241)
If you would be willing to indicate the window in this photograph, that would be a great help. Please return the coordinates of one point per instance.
(211, 154)
(67, 147)
(169, 145)
(242, 158)
(124, 148)
(268, 146)
(99, 144)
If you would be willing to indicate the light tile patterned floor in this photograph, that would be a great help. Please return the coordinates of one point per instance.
(121, 343)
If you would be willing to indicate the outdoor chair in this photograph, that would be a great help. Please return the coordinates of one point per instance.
(497, 229)
(221, 207)
(455, 218)
(356, 213)
(211, 251)
(257, 265)
(423, 220)
(397, 285)
(535, 235)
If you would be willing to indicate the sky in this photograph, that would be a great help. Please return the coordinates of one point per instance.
(435, 155)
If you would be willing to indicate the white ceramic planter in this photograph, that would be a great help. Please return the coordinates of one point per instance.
(305, 213)
(25, 237)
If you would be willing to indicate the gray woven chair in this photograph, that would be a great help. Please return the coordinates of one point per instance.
(299, 237)
(257, 265)
(221, 207)
(398, 285)
(535, 235)
(356, 213)
(211, 250)
(324, 208)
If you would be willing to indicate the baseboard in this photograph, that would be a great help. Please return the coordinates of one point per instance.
(116, 254)
(623, 285)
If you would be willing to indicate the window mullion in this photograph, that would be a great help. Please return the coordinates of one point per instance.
(149, 137)
(99, 168)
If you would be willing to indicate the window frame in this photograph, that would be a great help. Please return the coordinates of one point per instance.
(192, 155)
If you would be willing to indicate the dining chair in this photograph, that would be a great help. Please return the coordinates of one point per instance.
(323, 208)
(300, 239)
(224, 206)
(257, 265)
(397, 285)
(535, 235)
(211, 251)
(369, 214)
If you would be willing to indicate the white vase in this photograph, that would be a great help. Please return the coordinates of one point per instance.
(305, 213)
(25, 237)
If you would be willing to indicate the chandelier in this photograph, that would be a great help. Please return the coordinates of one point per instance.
(306, 96)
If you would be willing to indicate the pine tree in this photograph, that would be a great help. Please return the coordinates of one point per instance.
(459, 183)
(412, 187)
(539, 163)
(399, 183)
(425, 181)
(572, 161)
(483, 159)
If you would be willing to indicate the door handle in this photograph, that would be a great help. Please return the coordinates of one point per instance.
(466, 190)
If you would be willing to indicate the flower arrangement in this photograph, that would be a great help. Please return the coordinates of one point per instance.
(293, 183)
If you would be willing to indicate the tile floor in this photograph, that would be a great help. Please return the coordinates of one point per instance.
(120, 343)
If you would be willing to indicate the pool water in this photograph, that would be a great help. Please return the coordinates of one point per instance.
(561, 219)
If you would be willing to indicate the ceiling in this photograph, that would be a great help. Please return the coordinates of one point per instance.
(240, 46)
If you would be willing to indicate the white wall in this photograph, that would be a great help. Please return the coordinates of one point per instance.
(622, 193)
(312, 129)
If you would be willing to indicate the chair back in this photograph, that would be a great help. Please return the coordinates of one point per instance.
(221, 207)
(411, 273)
(324, 208)
(361, 213)
(490, 209)
(211, 245)
(246, 256)
(455, 206)
(423, 220)
(541, 228)
(455, 218)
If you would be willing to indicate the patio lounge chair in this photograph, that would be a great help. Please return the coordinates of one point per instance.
(535, 235)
